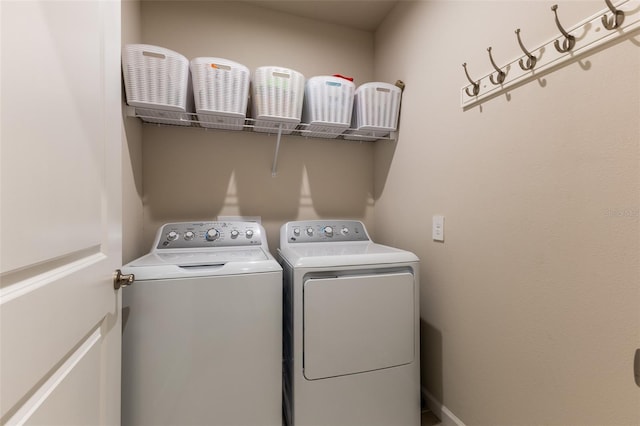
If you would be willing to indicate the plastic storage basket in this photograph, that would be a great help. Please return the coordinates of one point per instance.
(327, 107)
(221, 92)
(276, 99)
(375, 111)
(156, 82)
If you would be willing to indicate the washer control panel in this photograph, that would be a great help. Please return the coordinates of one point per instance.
(208, 234)
(313, 231)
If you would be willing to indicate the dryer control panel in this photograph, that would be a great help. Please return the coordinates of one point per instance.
(209, 234)
(317, 231)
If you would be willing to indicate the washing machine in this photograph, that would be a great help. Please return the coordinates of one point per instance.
(202, 329)
(351, 327)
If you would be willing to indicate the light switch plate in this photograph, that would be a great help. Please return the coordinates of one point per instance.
(438, 228)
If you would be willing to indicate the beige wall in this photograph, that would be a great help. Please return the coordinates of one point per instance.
(192, 174)
(132, 240)
(530, 307)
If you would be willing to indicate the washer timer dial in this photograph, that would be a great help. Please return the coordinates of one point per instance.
(212, 234)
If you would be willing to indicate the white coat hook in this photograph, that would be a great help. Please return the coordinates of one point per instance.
(274, 168)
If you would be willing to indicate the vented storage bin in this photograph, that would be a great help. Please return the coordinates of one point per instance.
(375, 111)
(157, 83)
(276, 99)
(327, 106)
(221, 92)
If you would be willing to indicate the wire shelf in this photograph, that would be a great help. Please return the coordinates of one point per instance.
(301, 130)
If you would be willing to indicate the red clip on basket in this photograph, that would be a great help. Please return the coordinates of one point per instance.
(342, 76)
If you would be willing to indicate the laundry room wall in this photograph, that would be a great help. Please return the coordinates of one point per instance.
(132, 212)
(193, 174)
(530, 306)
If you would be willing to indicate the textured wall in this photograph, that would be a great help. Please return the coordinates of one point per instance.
(530, 307)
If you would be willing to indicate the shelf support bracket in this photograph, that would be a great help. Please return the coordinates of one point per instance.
(274, 167)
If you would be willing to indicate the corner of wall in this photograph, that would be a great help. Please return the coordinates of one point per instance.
(132, 212)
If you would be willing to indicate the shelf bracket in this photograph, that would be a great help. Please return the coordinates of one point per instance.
(274, 167)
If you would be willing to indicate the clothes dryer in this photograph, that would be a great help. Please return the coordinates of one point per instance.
(202, 329)
(351, 327)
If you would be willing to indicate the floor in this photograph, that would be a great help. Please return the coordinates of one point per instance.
(429, 419)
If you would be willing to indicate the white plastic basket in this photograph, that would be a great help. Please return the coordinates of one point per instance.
(156, 82)
(221, 92)
(328, 105)
(276, 99)
(375, 111)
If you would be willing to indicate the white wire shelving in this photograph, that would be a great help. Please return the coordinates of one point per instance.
(301, 130)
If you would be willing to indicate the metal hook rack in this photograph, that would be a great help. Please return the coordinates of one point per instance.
(592, 33)
(618, 17)
(530, 63)
(569, 41)
(500, 75)
(475, 85)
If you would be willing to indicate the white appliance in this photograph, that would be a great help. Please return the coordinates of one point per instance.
(351, 327)
(202, 329)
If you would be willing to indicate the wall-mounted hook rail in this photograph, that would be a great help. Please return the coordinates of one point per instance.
(616, 20)
(500, 76)
(530, 62)
(474, 84)
(533, 64)
(569, 41)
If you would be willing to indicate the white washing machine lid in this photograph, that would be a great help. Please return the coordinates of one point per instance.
(185, 263)
(323, 255)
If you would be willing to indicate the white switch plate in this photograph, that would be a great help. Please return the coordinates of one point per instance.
(438, 228)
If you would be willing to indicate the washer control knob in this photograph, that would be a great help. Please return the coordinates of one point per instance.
(235, 233)
(310, 231)
(212, 234)
(249, 233)
(172, 236)
(296, 232)
(328, 231)
(344, 231)
(189, 235)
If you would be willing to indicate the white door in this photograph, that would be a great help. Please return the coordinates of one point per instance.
(60, 212)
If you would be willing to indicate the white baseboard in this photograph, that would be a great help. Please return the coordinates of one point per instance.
(443, 413)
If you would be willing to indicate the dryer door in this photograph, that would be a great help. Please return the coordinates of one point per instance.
(354, 324)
